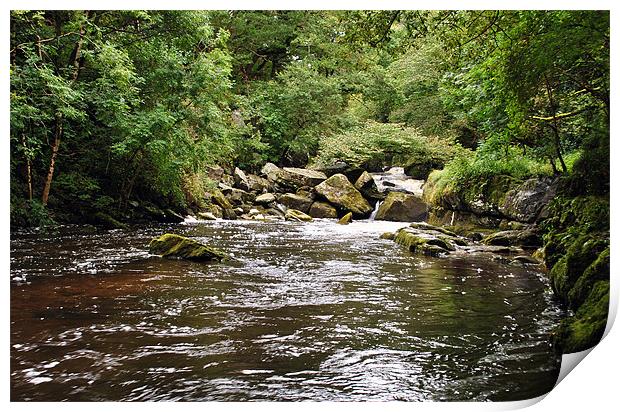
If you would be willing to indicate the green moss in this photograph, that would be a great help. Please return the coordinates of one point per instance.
(421, 245)
(586, 328)
(598, 270)
(346, 219)
(387, 235)
(581, 253)
(171, 245)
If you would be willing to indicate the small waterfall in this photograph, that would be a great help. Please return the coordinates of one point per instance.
(374, 212)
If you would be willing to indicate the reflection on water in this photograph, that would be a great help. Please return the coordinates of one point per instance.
(313, 311)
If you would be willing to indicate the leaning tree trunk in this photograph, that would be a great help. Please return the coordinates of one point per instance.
(75, 62)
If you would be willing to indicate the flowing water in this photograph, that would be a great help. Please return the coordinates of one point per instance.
(395, 180)
(306, 311)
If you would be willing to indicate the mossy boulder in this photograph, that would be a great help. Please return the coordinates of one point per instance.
(402, 207)
(367, 187)
(525, 202)
(586, 328)
(297, 216)
(294, 201)
(420, 243)
(218, 198)
(524, 238)
(341, 193)
(323, 210)
(420, 168)
(108, 222)
(176, 246)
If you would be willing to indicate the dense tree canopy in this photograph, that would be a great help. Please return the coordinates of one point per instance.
(111, 106)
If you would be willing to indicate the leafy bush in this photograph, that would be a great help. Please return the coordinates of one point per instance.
(373, 143)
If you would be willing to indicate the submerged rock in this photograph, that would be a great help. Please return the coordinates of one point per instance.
(171, 245)
(340, 192)
(346, 219)
(296, 215)
(402, 207)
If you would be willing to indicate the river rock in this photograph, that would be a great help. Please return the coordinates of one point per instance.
(526, 238)
(215, 173)
(340, 192)
(525, 202)
(297, 177)
(294, 201)
(323, 210)
(367, 187)
(346, 219)
(402, 207)
(206, 216)
(421, 242)
(272, 172)
(265, 198)
(241, 180)
(218, 198)
(238, 196)
(298, 216)
(258, 184)
(171, 245)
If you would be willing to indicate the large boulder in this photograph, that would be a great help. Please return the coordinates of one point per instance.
(323, 210)
(340, 192)
(292, 178)
(241, 180)
(526, 202)
(302, 177)
(425, 242)
(258, 184)
(294, 201)
(402, 207)
(367, 187)
(218, 198)
(171, 245)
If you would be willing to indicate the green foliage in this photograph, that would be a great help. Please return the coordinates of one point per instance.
(382, 144)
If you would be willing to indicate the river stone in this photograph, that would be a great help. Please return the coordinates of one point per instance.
(272, 172)
(207, 216)
(402, 207)
(297, 177)
(258, 184)
(238, 196)
(340, 192)
(346, 219)
(171, 245)
(293, 201)
(265, 198)
(367, 187)
(298, 216)
(215, 173)
(219, 199)
(323, 210)
(526, 238)
(241, 180)
(423, 243)
(526, 202)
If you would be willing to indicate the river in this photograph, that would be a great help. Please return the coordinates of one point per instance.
(306, 311)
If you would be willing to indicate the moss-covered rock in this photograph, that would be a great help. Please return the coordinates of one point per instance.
(106, 221)
(424, 243)
(525, 238)
(297, 216)
(346, 219)
(323, 210)
(586, 328)
(341, 193)
(367, 187)
(294, 201)
(171, 245)
(387, 236)
(402, 207)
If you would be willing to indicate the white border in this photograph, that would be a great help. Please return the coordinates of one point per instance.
(593, 384)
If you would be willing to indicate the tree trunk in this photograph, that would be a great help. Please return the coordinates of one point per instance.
(75, 62)
(50, 172)
(554, 127)
(28, 167)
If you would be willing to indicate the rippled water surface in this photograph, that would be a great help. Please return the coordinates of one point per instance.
(314, 311)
